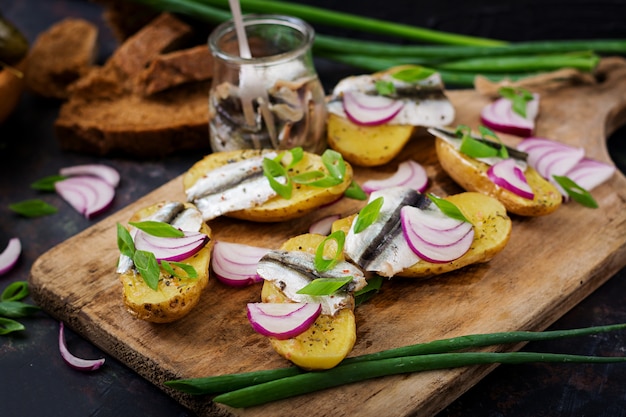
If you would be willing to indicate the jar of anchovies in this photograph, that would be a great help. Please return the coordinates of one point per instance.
(271, 96)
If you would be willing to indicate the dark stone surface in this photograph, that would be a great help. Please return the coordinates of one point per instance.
(35, 382)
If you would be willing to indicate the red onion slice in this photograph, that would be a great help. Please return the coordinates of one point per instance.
(73, 361)
(282, 320)
(324, 225)
(104, 172)
(499, 116)
(235, 264)
(10, 255)
(370, 110)
(550, 157)
(508, 175)
(590, 173)
(409, 174)
(415, 227)
(89, 196)
(171, 248)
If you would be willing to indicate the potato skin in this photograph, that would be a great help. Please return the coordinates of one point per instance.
(472, 176)
(366, 146)
(329, 340)
(304, 199)
(175, 297)
(492, 231)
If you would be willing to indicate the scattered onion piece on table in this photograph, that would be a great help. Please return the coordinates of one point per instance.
(10, 255)
(500, 116)
(508, 175)
(235, 264)
(171, 248)
(73, 361)
(88, 195)
(370, 110)
(282, 320)
(104, 172)
(324, 225)
(435, 237)
(409, 174)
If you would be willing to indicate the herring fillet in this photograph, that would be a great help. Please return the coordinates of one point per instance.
(381, 247)
(292, 270)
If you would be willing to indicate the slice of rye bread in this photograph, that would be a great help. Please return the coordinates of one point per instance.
(106, 115)
(60, 56)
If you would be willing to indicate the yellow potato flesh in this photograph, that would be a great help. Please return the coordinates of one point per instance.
(304, 198)
(329, 340)
(174, 297)
(492, 230)
(366, 145)
(472, 176)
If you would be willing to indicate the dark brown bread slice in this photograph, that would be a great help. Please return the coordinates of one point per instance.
(144, 127)
(175, 68)
(59, 56)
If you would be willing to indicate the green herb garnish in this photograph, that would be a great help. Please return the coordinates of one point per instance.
(273, 169)
(519, 98)
(33, 208)
(448, 208)
(9, 325)
(325, 286)
(385, 88)
(413, 74)
(47, 183)
(364, 294)
(576, 192)
(475, 148)
(334, 163)
(148, 267)
(323, 263)
(190, 271)
(11, 307)
(368, 215)
(15, 291)
(158, 229)
(355, 192)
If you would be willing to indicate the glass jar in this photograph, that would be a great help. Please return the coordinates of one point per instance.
(274, 98)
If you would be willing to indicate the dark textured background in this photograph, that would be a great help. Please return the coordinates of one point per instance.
(35, 382)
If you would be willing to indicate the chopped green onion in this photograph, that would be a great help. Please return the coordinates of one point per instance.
(33, 208)
(576, 192)
(15, 291)
(355, 191)
(272, 170)
(325, 286)
(368, 215)
(159, 229)
(190, 271)
(334, 163)
(364, 294)
(17, 309)
(322, 263)
(519, 98)
(385, 88)
(448, 208)
(413, 74)
(9, 326)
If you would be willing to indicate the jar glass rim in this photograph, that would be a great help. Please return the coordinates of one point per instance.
(228, 27)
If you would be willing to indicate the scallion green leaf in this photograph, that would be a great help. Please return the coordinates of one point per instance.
(368, 215)
(17, 309)
(148, 267)
(448, 208)
(413, 74)
(576, 192)
(15, 291)
(334, 163)
(272, 169)
(385, 88)
(9, 326)
(373, 285)
(324, 263)
(159, 229)
(355, 191)
(519, 98)
(325, 286)
(47, 183)
(125, 242)
(190, 271)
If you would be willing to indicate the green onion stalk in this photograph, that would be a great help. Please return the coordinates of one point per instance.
(458, 58)
(438, 354)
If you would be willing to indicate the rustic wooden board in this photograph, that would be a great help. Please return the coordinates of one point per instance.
(549, 265)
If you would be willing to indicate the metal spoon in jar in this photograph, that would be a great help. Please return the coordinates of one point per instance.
(251, 87)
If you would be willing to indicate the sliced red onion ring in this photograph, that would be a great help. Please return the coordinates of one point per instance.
(10, 255)
(282, 320)
(104, 172)
(235, 264)
(73, 361)
(549, 157)
(324, 225)
(590, 173)
(89, 196)
(499, 116)
(370, 110)
(409, 174)
(418, 231)
(171, 248)
(508, 175)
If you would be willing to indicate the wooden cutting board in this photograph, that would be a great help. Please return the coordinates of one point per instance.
(550, 264)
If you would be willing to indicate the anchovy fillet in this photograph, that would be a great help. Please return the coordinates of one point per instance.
(293, 270)
(381, 247)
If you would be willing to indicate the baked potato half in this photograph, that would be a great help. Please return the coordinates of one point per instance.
(330, 339)
(304, 198)
(492, 231)
(471, 174)
(175, 296)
